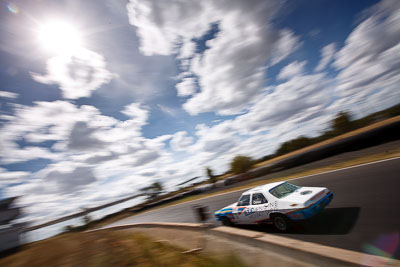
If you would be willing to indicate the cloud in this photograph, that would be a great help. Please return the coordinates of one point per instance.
(73, 129)
(368, 64)
(81, 138)
(285, 45)
(144, 157)
(187, 50)
(327, 54)
(298, 99)
(78, 75)
(42, 122)
(187, 87)
(181, 141)
(162, 24)
(230, 71)
(12, 177)
(67, 182)
(136, 113)
(6, 94)
(293, 69)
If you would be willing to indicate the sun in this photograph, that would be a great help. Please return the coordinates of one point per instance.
(59, 37)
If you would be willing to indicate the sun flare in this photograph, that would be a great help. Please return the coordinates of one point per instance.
(59, 37)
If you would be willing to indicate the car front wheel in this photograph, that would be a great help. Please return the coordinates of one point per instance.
(226, 221)
(281, 222)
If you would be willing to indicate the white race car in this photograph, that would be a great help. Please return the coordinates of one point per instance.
(277, 203)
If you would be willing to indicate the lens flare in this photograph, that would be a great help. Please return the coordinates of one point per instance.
(385, 246)
(12, 8)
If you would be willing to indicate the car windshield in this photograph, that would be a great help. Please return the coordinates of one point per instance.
(283, 190)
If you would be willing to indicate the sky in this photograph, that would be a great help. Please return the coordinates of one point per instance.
(101, 98)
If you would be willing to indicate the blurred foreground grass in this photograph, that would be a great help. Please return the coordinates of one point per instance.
(109, 249)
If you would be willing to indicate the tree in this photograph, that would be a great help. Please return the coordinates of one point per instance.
(153, 190)
(342, 123)
(211, 177)
(241, 164)
(293, 145)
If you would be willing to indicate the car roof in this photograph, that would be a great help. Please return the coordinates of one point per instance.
(264, 187)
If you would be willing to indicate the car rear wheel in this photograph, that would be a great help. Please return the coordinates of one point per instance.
(226, 221)
(281, 222)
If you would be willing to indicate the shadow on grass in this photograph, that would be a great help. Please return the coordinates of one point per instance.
(331, 221)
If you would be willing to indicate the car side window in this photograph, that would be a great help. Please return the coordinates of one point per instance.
(244, 200)
(258, 198)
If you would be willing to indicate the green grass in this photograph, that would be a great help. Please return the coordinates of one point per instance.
(109, 249)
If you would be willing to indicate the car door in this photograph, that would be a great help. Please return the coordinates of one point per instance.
(261, 207)
(240, 212)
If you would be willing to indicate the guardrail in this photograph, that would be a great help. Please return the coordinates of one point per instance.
(253, 247)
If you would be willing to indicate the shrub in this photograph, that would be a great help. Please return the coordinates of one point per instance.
(241, 164)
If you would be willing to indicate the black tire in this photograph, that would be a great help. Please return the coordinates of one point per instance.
(280, 222)
(226, 221)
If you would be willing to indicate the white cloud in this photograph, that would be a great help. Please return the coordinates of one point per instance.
(231, 71)
(162, 24)
(46, 121)
(368, 64)
(78, 75)
(84, 138)
(187, 87)
(136, 113)
(54, 180)
(75, 130)
(299, 99)
(285, 45)
(327, 54)
(6, 117)
(187, 50)
(181, 141)
(293, 69)
(12, 177)
(81, 137)
(6, 94)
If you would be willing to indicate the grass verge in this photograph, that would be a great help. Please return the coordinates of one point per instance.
(109, 249)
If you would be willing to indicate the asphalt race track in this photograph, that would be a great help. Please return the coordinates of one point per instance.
(363, 216)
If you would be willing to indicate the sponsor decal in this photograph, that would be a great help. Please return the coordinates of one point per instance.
(261, 211)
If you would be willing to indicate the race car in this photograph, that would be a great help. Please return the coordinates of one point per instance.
(278, 203)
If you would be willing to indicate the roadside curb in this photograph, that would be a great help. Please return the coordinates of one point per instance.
(295, 249)
(341, 256)
(183, 226)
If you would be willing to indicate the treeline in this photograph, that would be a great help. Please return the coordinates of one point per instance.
(341, 124)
